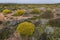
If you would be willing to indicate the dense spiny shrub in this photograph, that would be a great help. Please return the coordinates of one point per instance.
(43, 36)
(6, 11)
(48, 14)
(35, 11)
(54, 22)
(5, 33)
(26, 29)
(19, 12)
(1, 9)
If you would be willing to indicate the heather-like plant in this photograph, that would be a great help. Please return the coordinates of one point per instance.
(5, 33)
(47, 14)
(54, 22)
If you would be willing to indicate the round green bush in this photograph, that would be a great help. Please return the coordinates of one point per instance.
(35, 11)
(26, 28)
(19, 12)
(6, 11)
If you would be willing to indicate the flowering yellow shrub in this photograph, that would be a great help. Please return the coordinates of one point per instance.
(26, 28)
(6, 11)
(35, 11)
(19, 12)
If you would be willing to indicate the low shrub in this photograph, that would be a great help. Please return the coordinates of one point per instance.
(47, 14)
(35, 11)
(19, 12)
(54, 22)
(26, 28)
(5, 33)
(6, 11)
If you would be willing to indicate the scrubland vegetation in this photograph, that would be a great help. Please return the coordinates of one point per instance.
(29, 22)
(6, 11)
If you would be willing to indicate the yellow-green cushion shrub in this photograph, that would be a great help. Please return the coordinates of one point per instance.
(19, 12)
(26, 28)
(35, 11)
(6, 11)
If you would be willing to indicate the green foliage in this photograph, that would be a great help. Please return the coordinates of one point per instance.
(35, 11)
(5, 33)
(41, 30)
(1, 9)
(26, 28)
(43, 37)
(48, 11)
(19, 12)
(6, 11)
(57, 31)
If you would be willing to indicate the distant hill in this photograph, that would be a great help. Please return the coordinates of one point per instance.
(28, 3)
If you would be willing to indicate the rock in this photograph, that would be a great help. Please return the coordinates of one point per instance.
(49, 30)
(1, 20)
(58, 38)
(2, 17)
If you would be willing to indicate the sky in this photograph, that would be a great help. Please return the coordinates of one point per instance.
(30, 1)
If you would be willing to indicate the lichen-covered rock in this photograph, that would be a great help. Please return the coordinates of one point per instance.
(49, 30)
